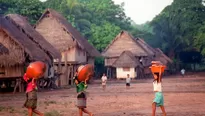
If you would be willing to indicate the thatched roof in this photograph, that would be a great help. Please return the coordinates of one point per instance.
(127, 59)
(37, 38)
(30, 48)
(162, 57)
(3, 49)
(83, 43)
(146, 46)
(123, 42)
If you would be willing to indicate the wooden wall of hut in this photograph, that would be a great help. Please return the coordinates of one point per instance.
(80, 55)
(67, 74)
(13, 71)
(91, 60)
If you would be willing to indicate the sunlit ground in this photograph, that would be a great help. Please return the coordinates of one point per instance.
(183, 97)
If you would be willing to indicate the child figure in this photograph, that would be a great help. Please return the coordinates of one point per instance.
(104, 81)
(31, 96)
(81, 97)
(159, 99)
(183, 72)
(128, 80)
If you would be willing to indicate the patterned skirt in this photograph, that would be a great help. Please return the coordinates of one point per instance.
(31, 99)
(81, 100)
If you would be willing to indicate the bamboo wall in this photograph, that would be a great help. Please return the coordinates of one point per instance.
(70, 55)
(91, 60)
(11, 72)
(80, 55)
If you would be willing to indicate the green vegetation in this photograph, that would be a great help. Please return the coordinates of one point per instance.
(178, 29)
(52, 113)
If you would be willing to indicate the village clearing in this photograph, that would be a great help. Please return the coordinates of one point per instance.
(183, 97)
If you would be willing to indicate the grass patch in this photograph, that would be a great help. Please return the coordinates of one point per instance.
(50, 102)
(52, 113)
(11, 109)
(2, 108)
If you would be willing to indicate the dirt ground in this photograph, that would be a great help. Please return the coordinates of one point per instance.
(183, 97)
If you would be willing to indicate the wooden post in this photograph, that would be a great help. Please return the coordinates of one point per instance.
(68, 73)
(74, 70)
(66, 67)
(72, 74)
(107, 72)
(110, 72)
(59, 71)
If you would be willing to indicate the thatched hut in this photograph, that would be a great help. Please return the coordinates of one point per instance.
(74, 48)
(125, 42)
(18, 51)
(23, 25)
(127, 63)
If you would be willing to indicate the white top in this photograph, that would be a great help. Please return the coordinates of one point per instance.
(104, 79)
(182, 71)
(157, 86)
(51, 72)
(128, 80)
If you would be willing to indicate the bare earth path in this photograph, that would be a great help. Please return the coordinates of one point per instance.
(183, 97)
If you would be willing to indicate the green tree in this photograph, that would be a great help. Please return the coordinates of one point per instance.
(103, 35)
(32, 9)
(177, 25)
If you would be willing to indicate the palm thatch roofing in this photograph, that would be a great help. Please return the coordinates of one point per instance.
(146, 46)
(3, 49)
(127, 59)
(128, 42)
(162, 57)
(33, 52)
(83, 43)
(22, 24)
(159, 55)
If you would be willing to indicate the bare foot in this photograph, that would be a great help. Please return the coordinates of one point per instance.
(91, 114)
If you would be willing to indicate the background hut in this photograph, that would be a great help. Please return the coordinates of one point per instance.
(125, 42)
(74, 48)
(19, 51)
(127, 63)
(126, 54)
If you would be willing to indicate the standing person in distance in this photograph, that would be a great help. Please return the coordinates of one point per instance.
(128, 80)
(104, 81)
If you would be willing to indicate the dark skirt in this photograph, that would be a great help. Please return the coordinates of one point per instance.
(127, 84)
(81, 100)
(31, 100)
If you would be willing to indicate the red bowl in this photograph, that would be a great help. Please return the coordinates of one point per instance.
(36, 69)
(85, 72)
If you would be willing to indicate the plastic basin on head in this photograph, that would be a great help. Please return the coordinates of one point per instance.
(157, 68)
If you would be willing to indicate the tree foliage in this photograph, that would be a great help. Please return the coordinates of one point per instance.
(32, 9)
(177, 25)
